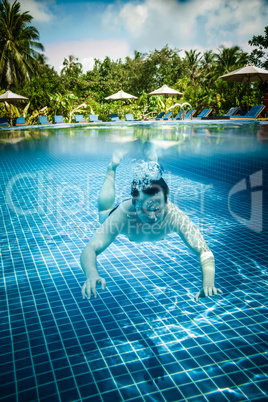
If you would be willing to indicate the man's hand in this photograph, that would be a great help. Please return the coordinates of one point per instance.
(90, 286)
(207, 291)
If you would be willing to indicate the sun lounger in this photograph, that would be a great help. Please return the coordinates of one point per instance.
(93, 118)
(204, 113)
(167, 116)
(180, 115)
(58, 120)
(186, 116)
(252, 114)
(3, 122)
(115, 117)
(20, 121)
(231, 112)
(129, 117)
(159, 117)
(79, 118)
(43, 120)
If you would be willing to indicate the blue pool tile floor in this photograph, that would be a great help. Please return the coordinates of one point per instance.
(144, 338)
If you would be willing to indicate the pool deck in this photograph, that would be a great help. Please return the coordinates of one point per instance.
(129, 123)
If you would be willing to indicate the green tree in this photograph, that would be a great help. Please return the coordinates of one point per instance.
(229, 59)
(207, 68)
(71, 75)
(259, 56)
(192, 60)
(162, 67)
(72, 67)
(46, 81)
(18, 44)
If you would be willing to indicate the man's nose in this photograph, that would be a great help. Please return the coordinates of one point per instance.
(152, 216)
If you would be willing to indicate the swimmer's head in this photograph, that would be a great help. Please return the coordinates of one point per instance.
(154, 187)
(147, 178)
(149, 191)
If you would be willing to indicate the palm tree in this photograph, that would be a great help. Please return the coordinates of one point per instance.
(18, 41)
(207, 65)
(71, 65)
(229, 59)
(192, 59)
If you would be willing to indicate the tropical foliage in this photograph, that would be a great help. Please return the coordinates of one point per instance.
(24, 70)
(259, 55)
(18, 44)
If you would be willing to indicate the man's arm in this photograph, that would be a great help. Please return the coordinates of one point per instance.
(192, 237)
(101, 239)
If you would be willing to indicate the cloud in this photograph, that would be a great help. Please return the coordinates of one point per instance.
(39, 10)
(86, 50)
(152, 24)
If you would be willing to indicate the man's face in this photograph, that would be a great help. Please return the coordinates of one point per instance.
(151, 208)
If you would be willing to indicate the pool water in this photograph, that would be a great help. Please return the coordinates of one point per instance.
(144, 338)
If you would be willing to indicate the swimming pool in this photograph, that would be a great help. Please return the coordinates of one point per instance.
(144, 338)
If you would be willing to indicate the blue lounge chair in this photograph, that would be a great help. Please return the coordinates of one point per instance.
(204, 113)
(179, 115)
(3, 121)
(159, 117)
(114, 117)
(186, 116)
(231, 112)
(129, 117)
(20, 121)
(43, 120)
(79, 118)
(93, 118)
(58, 119)
(252, 114)
(167, 116)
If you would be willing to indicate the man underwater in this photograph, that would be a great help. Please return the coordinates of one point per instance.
(147, 216)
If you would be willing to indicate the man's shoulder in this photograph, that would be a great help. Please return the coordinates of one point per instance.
(172, 207)
(122, 211)
(174, 214)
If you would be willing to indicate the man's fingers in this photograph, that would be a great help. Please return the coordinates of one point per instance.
(103, 283)
(93, 286)
(208, 291)
(90, 286)
(86, 293)
(83, 291)
(197, 296)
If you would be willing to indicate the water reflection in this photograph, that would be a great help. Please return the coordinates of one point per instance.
(168, 137)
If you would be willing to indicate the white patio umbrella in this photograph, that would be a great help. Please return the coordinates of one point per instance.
(248, 74)
(11, 97)
(120, 95)
(165, 90)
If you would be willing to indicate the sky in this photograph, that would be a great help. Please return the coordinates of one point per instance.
(116, 28)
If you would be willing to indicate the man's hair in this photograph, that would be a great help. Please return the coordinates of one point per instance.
(155, 187)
